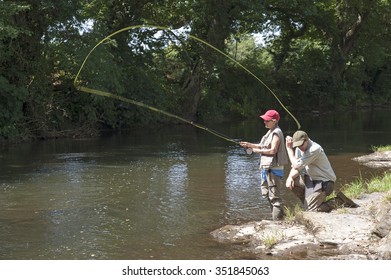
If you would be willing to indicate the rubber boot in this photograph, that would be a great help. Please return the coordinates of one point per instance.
(327, 206)
(277, 213)
(342, 200)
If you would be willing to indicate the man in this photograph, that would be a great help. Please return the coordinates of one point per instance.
(273, 157)
(312, 178)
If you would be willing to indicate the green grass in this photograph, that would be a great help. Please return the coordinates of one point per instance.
(291, 214)
(381, 148)
(355, 189)
(377, 184)
(359, 187)
(271, 239)
(380, 184)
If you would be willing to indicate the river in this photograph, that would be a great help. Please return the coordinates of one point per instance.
(155, 193)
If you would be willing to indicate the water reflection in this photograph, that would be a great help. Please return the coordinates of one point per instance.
(148, 194)
(242, 180)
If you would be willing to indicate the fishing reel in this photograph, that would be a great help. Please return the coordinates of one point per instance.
(249, 151)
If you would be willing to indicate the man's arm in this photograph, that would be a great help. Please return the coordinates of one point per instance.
(290, 151)
(294, 173)
(290, 181)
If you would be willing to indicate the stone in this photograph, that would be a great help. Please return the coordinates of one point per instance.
(383, 226)
(345, 233)
(375, 160)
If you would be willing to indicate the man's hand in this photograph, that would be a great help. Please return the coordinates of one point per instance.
(244, 144)
(289, 142)
(290, 183)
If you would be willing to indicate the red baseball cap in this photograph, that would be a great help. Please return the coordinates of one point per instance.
(270, 115)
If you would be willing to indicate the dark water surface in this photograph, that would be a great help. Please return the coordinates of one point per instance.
(154, 193)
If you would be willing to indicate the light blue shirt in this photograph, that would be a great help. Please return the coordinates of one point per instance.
(315, 162)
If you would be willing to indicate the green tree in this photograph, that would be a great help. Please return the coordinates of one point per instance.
(12, 92)
(314, 54)
(28, 65)
(317, 47)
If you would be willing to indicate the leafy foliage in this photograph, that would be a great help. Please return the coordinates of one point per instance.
(312, 54)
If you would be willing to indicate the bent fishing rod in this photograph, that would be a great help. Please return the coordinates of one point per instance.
(78, 86)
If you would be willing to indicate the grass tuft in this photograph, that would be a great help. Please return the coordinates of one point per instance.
(381, 148)
(360, 186)
(272, 239)
(291, 214)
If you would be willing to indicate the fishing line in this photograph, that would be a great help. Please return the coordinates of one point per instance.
(137, 103)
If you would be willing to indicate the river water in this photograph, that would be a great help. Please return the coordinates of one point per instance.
(154, 193)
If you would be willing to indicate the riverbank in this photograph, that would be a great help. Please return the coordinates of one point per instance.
(378, 159)
(345, 233)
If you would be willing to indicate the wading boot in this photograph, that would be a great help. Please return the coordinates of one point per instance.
(342, 200)
(277, 213)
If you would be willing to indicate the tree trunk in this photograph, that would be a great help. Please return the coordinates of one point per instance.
(215, 30)
(344, 43)
(192, 92)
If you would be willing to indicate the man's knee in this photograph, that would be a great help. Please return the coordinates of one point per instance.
(314, 201)
(328, 187)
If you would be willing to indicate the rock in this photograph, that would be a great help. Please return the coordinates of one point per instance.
(339, 228)
(280, 238)
(237, 234)
(346, 233)
(384, 247)
(383, 226)
(376, 159)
